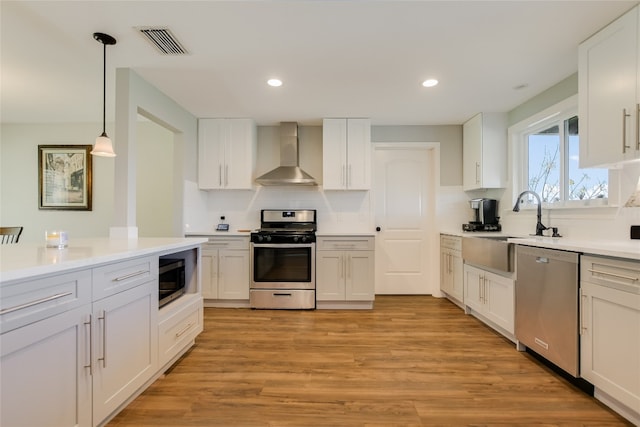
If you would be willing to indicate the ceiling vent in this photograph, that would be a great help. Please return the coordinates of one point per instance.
(163, 40)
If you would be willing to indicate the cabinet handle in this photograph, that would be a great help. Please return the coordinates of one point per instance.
(129, 276)
(583, 308)
(480, 288)
(477, 172)
(638, 127)
(103, 318)
(90, 365)
(185, 329)
(226, 175)
(348, 260)
(220, 175)
(624, 130)
(32, 303)
(619, 276)
(349, 177)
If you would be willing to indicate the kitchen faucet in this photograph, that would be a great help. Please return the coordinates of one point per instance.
(516, 208)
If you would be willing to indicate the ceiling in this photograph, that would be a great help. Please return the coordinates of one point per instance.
(338, 58)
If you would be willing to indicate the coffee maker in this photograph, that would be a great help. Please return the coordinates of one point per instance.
(485, 216)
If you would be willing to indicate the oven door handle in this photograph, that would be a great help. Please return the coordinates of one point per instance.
(282, 245)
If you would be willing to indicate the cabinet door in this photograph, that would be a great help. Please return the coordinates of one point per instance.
(471, 153)
(457, 285)
(44, 381)
(125, 346)
(239, 154)
(209, 268)
(608, 86)
(358, 171)
(330, 282)
(233, 274)
(359, 280)
(610, 342)
(499, 300)
(445, 271)
(334, 154)
(473, 288)
(211, 137)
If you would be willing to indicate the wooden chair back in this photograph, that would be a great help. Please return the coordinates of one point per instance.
(10, 234)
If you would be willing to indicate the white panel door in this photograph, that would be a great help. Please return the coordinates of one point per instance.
(404, 199)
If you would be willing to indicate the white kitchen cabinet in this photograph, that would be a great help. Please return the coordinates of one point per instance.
(226, 154)
(44, 381)
(346, 158)
(484, 151)
(451, 268)
(491, 297)
(125, 346)
(225, 268)
(609, 87)
(177, 330)
(610, 332)
(345, 271)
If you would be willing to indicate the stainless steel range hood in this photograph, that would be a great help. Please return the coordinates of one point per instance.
(289, 172)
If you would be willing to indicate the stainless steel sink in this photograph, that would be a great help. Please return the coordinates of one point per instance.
(492, 252)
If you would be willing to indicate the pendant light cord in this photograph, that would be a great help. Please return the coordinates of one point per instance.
(104, 90)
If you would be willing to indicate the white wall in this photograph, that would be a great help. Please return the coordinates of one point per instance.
(19, 181)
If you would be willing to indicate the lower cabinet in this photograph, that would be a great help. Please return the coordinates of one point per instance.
(490, 297)
(610, 332)
(225, 269)
(345, 271)
(177, 330)
(451, 271)
(125, 347)
(45, 378)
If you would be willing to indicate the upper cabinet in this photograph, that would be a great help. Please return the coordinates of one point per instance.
(346, 159)
(609, 88)
(226, 153)
(484, 151)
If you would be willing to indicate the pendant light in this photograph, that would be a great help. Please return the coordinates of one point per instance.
(103, 146)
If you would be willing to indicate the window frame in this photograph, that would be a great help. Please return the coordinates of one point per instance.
(518, 133)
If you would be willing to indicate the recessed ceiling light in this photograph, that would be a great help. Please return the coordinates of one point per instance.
(429, 83)
(274, 82)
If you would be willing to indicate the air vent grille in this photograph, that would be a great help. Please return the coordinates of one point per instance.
(163, 40)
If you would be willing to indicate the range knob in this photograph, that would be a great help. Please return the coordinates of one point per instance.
(260, 238)
(304, 239)
(296, 238)
(268, 238)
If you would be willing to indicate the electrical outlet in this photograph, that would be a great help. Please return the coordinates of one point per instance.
(635, 232)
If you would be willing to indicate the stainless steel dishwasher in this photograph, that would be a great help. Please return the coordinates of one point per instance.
(547, 304)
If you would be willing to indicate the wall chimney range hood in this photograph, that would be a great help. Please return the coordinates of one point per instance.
(289, 172)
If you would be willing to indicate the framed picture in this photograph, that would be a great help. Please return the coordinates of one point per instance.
(64, 177)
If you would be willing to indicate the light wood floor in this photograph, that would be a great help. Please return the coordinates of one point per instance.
(412, 361)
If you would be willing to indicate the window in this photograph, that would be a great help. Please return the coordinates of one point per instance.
(549, 166)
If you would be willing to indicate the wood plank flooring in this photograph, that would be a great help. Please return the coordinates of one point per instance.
(411, 361)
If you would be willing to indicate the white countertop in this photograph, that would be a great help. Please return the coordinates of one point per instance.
(615, 248)
(24, 260)
(214, 233)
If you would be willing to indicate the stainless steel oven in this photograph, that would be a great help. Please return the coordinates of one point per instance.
(283, 261)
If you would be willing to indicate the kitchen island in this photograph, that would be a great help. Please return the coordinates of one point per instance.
(81, 329)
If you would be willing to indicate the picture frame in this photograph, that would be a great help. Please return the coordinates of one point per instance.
(65, 177)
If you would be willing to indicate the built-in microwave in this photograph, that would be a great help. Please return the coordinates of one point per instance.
(171, 280)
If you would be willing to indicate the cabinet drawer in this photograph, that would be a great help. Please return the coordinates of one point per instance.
(180, 328)
(451, 242)
(227, 243)
(114, 278)
(26, 302)
(611, 272)
(345, 243)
